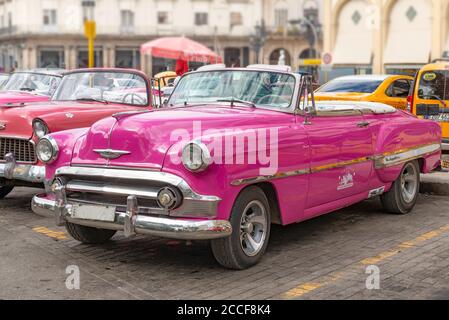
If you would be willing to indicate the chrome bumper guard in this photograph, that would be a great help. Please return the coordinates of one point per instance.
(132, 223)
(11, 170)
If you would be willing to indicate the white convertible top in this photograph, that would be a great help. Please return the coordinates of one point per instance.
(374, 107)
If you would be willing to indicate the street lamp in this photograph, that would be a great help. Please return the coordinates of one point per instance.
(258, 39)
(312, 36)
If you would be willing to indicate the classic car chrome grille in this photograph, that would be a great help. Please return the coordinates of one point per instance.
(23, 150)
(114, 193)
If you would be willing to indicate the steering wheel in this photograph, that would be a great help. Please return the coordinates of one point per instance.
(134, 97)
(275, 97)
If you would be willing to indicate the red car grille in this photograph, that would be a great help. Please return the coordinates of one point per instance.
(23, 150)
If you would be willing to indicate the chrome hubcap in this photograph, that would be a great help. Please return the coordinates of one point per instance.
(253, 228)
(409, 183)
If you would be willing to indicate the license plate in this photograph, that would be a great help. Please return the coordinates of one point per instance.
(89, 212)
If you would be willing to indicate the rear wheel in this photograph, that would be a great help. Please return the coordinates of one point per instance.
(89, 235)
(402, 197)
(251, 225)
(5, 190)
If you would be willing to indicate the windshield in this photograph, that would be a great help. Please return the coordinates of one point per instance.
(114, 87)
(257, 88)
(358, 86)
(434, 85)
(43, 84)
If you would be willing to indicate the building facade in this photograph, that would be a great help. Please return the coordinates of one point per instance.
(50, 33)
(385, 36)
(289, 34)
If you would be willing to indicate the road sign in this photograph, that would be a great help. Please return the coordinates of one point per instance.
(327, 58)
(310, 62)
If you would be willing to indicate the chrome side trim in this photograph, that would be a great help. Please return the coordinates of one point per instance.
(395, 158)
(381, 161)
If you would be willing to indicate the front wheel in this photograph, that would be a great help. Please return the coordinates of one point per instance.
(402, 197)
(89, 235)
(251, 222)
(5, 190)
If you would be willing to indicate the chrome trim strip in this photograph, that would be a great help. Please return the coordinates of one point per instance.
(380, 161)
(161, 227)
(111, 154)
(22, 172)
(395, 158)
(83, 186)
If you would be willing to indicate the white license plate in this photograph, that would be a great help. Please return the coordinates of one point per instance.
(89, 212)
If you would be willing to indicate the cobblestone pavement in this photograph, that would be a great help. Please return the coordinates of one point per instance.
(326, 258)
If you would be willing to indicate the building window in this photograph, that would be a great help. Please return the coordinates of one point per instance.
(236, 19)
(9, 19)
(50, 17)
(163, 17)
(127, 58)
(51, 58)
(88, 10)
(280, 18)
(127, 20)
(83, 58)
(201, 19)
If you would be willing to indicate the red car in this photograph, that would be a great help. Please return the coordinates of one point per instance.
(82, 98)
(30, 86)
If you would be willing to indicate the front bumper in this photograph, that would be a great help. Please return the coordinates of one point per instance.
(29, 173)
(132, 223)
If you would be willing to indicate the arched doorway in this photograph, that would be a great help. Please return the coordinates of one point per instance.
(353, 50)
(308, 54)
(276, 55)
(409, 35)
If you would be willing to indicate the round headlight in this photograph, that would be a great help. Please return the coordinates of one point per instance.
(47, 150)
(40, 129)
(196, 157)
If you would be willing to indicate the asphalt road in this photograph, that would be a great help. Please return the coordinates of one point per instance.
(325, 258)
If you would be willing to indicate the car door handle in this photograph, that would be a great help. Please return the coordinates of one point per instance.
(363, 124)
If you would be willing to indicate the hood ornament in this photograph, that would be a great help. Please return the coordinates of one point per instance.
(2, 126)
(111, 154)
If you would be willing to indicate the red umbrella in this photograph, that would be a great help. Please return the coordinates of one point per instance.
(180, 48)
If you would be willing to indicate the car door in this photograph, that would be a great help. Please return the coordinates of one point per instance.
(341, 166)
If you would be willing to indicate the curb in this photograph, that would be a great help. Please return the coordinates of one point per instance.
(436, 183)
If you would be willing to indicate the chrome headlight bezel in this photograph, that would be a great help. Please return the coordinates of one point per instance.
(40, 128)
(196, 157)
(50, 143)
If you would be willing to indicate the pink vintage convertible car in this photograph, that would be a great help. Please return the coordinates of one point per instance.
(235, 151)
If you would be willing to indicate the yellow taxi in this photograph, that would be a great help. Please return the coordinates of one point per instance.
(429, 98)
(165, 79)
(389, 89)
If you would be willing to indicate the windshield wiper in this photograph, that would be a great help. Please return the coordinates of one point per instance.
(93, 100)
(234, 101)
(27, 89)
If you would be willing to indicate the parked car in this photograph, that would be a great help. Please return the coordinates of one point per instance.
(84, 97)
(234, 151)
(429, 96)
(389, 89)
(30, 86)
(4, 77)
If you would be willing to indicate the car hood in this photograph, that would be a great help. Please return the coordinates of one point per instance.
(18, 120)
(15, 98)
(354, 96)
(147, 137)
